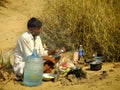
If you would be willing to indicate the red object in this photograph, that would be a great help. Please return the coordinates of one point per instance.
(65, 65)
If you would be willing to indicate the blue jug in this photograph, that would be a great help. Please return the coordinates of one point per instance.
(33, 70)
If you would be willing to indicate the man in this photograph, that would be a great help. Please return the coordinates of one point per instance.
(25, 45)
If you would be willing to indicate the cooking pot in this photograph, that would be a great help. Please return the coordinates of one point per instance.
(98, 58)
(96, 65)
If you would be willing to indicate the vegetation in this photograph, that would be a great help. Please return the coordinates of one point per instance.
(92, 23)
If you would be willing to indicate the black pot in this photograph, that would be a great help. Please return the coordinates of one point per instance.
(98, 58)
(95, 65)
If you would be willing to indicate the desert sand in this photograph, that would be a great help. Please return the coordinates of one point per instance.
(13, 24)
(94, 81)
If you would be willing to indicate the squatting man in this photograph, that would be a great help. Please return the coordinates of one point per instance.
(25, 46)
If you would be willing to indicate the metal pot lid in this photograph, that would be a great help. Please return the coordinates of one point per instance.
(96, 62)
(100, 58)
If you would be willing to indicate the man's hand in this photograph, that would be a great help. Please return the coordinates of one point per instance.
(56, 51)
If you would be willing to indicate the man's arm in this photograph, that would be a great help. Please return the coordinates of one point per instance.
(52, 52)
(48, 58)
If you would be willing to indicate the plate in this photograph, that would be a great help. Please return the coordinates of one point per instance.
(48, 76)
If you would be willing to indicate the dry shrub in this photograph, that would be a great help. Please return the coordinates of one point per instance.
(93, 23)
(69, 23)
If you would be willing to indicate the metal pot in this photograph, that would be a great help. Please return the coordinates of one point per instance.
(98, 58)
(96, 65)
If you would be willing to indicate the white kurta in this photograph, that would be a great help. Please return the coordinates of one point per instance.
(24, 48)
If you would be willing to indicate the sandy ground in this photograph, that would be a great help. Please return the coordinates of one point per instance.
(93, 81)
(13, 23)
(13, 20)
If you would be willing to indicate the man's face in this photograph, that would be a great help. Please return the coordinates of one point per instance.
(35, 31)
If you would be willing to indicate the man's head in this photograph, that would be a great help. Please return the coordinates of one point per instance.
(34, 26)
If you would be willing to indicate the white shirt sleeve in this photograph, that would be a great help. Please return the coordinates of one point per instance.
(18, 56)
(22, 50)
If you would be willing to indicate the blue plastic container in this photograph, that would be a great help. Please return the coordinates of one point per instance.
(33, 71)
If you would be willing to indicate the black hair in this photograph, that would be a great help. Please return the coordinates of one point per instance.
(34, 23)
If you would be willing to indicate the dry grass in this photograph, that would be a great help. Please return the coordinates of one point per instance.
(93, 23)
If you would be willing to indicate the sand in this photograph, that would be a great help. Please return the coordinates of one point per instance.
(94, 81)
